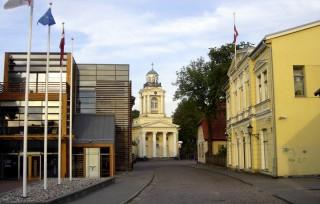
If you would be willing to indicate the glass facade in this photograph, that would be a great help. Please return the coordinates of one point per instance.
(89, 76)
(12, 117)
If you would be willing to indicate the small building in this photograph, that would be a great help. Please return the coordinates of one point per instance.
(153, 132)
(272, 113)
(218, 128)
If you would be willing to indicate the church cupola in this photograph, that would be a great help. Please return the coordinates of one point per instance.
(152, 79)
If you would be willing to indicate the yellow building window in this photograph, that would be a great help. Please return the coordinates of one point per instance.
(298, 76)
(265, 78)
(259, 88)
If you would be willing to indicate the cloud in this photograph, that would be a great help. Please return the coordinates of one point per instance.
(145, 31)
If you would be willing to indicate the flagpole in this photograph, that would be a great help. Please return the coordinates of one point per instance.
(46, 113)
(71, 110)
(60, 128)
(235, 41)
(26, 96)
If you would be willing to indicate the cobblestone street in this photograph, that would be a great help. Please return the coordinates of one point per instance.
(179, 182)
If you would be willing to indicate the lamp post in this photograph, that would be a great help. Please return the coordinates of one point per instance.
(250, 132)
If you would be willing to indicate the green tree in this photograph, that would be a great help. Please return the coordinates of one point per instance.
(203, 82)
(135, 114)
(187, 117)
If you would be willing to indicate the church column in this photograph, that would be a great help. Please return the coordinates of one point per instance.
(145, 104)
(141, 104)
(154, 145)
(175, 144)
(143, 144)
(161, 104)
(164, 138)
(148, 104)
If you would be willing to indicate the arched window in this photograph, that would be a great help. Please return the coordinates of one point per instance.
(154, 104)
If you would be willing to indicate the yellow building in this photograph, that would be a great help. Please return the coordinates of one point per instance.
(272, 115)
(154, 133)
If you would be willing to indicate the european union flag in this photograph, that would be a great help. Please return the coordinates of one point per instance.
(47, 18)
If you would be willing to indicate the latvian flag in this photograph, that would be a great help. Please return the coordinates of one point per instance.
(62, 46)
(235, 34)
(16, 3)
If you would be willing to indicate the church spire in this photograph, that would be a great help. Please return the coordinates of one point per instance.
(152, 78)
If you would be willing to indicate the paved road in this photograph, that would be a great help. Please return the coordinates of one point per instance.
(178, 182)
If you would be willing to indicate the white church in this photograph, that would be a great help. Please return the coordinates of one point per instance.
(153, 133)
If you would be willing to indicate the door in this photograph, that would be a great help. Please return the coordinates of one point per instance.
(33, 167)
(93, 162)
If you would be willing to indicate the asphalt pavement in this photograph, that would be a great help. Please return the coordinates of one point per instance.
(174, 181)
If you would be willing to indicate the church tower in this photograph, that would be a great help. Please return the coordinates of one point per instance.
(153, 133)
(152, 96)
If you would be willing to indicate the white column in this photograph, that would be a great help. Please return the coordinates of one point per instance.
(164, 144)
(148, 104)
(263, 165)
(161, 104)
(164, 104)
(143, 142)
(140, 146)
(141, 105)
(144, 104)
(154, 145)
(175, 144)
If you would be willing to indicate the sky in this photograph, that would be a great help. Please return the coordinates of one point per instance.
(168, 33)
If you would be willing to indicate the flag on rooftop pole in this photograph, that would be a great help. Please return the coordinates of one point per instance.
(60, 103)
(235, 36)
(61, 46)
(46, 19)
(9, 5)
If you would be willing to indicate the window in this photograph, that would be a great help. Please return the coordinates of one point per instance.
(154, 104)
(298, 77)
(259, 88)
(247, 94)
(265, 85)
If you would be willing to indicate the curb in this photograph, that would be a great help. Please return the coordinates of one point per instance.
(81, 192)
(140, 191)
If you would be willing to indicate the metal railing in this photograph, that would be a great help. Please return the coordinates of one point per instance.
(34, 87)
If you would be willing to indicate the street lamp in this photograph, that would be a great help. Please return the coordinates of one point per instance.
(249, 128)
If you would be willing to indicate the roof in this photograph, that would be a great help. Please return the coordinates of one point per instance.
(292, 30)
(94, 128)
(152, 72)
(288, 31)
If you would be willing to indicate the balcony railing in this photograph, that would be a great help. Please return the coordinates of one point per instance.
(10, 87)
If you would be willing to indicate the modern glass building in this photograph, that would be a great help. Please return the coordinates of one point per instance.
(94, 145)
(106, 89)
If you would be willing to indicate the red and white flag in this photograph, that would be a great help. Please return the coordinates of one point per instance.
(62, 46)
(10, 4)
(235, 34)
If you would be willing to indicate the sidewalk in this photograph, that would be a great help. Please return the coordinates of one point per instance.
(292, 190)
(127, 185)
